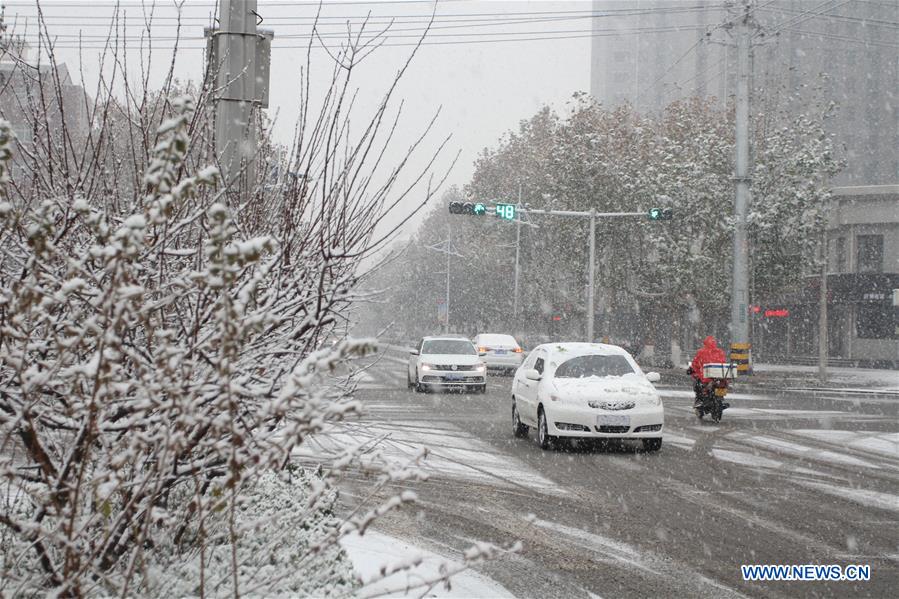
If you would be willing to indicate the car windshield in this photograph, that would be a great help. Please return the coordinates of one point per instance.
(448, 346)
(595, 365)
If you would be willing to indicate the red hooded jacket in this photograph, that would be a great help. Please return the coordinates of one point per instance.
(709, 353)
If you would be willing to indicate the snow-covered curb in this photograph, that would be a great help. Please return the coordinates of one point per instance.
(373, 550)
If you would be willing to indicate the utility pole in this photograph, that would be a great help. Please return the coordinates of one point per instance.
(446, 247)
(822, 314)
(449, 248)
(740, 343)
(517, 250)
(591, 275)
(240, 56)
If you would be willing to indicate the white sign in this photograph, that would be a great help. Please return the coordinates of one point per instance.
(896, 297)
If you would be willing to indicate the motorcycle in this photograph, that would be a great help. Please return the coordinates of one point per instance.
(710, 396)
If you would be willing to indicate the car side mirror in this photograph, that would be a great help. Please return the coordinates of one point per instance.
(653, 377)
(532, 374)
(413, 352)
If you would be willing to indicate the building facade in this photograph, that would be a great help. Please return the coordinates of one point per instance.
(649, 53)
(862, 285)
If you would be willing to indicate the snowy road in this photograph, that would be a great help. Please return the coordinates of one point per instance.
(803, 479)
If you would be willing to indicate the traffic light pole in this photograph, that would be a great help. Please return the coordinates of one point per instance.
(517, 252)
(591, 276)
(591, 266)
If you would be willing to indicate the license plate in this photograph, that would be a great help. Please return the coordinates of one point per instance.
(453, 377)
(720, 392)
(613, 420)
(500, 352)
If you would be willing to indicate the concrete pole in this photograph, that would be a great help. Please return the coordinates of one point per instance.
(235, 48)
(822, 314)
(591, 275)
(740, 288)
(517, 251)
(449, 248)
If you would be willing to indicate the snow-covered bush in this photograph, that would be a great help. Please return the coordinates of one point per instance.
(161, 348)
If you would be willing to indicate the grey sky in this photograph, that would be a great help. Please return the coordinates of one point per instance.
(484, 86)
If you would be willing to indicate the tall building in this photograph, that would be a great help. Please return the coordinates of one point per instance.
(649, 53)
(38, 98)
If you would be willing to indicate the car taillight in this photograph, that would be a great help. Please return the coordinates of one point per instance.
(517, 350)
(483, 349)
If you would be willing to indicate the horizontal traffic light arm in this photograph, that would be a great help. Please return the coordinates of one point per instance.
(479, 209)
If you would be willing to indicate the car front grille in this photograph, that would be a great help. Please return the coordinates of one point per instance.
(612, 405)
(612, 429)
(430, 378)
(456, 367)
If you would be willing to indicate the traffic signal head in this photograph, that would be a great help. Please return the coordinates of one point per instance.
(476, 209)
(660, 214)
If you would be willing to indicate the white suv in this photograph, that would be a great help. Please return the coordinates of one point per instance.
(446, 362)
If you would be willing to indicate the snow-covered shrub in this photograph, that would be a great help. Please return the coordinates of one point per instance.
(161, 348)
(276, 531)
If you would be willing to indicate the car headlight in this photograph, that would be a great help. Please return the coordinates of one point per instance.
(655, 400)
(427, 367)
(480, 368)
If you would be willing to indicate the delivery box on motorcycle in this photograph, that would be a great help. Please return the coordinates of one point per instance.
(719, 371)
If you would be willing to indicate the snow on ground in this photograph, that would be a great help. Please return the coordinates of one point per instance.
(804, 451)
(678, 440)
(876, 499)
(613, 551)
(452, 452)
(373, 550)
(886, 444)
(745, 459)
(776, 413)
(887, 380)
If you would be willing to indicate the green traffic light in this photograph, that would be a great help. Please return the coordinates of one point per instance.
(660, 214)
(479, 209)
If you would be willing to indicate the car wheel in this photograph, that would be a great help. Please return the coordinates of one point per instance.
(518, 429)
(652, 444)
(417, 385)
(482, 389)
(543, 437)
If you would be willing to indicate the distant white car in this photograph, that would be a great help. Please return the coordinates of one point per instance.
(586, 390)
(501, 352)
(446, 363)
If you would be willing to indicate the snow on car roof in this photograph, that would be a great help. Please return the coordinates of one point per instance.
(573, 348)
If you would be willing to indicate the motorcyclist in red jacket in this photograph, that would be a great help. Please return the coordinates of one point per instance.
(709, 353)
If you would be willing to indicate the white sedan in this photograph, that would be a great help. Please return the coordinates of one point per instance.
(586, 390)
(501, 352)
(446, 363)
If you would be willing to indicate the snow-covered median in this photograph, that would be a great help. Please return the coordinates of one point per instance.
(374, 551)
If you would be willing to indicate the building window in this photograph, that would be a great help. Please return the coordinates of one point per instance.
(870, 253)
(839, 254)
(875, 321)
